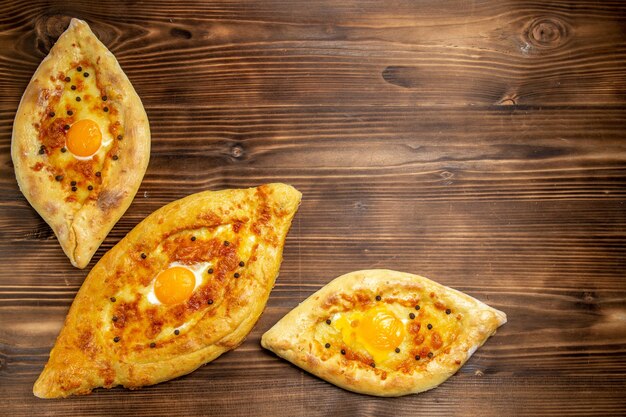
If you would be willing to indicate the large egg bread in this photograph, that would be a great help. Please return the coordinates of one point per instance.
(81, 142)
(383, 332)
(184, 286)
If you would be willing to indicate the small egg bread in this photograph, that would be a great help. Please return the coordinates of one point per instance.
(184, 286)
(81, 142)
(383, 332)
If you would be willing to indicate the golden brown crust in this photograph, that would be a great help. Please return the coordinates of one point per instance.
(80, 228)
(299, 336)
(114, 336)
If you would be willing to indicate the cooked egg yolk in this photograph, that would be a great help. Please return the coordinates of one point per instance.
(84, 138)
(174, 285)
(377, 330)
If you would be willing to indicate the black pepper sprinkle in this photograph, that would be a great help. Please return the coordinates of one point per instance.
(74, 188)
(77, 98)
(193, 238)
(66, 127)
(373, 365)
(242, 263)
(69, 112)
(417, 307)
(153, 345)
(343, 352)
(113, 299)
(73, 183)
(42, 150)
(58, 177)
(120, 137)
(106, 109)
(73, 87)
(114, 318)
(98, 174)
(430, 326)
(86, 74)
(448, 311)
(115, 157)
(116, 339)
(327, 345)
(417, 357)
(226, 243)
(210, 302)
(430, 354)
(79, 69)
(51, 114)
(210, 271)
(411, 316)
(144, 256)
(90, 187)
(104, 98)
(328, 321)
(378, 298)
(63, 150)
(397, 350)
(67, 79)
(237, 275)
(176, 332)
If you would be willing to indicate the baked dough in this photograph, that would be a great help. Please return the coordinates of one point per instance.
(383, 332)
(81, 197)
(118, 332)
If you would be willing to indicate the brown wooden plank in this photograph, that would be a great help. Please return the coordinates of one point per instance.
(402, 141)
(556, 53)
(479, 143)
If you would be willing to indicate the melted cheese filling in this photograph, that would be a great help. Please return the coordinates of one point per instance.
(390, 335)
(102, 115)
(146, 300)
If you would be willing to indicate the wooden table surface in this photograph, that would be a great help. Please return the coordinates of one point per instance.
(479, 143)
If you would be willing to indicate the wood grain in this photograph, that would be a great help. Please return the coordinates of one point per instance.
(479, 143)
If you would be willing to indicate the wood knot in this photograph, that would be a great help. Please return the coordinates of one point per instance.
(360, 206)
(407, 77)
(588, 297)
(48, 29)
(507, 102)
(180, 33)
(546, 32)
(509, 98)
(588, 301)
(236, 151)
(446, 175)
